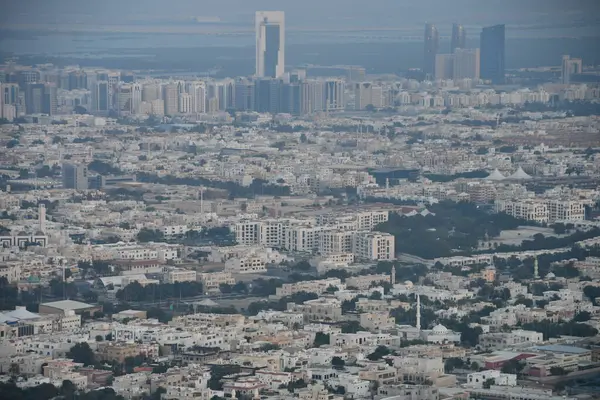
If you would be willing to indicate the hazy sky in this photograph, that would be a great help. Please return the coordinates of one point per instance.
(303, 13)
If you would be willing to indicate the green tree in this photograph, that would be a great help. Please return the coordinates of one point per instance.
(68, 389)
(376, 295)
(331, 289)
(302, 266)
(82, 353)
(14, 370)
(452, 363)
(488, 383)
(558, 371)
(338, 362)
(321, 339)
(513, 367)
(150, 235)
(582, 316)
(379, 353)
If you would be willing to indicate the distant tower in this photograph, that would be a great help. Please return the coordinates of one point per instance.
(492, 53)
(418, 312)
(42, 217)
(459, 38)
(393, 275)
(387, 184)
(270, 43)
(536, 272)
(432, 44)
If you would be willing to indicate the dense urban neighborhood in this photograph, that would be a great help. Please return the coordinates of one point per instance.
(286, 236)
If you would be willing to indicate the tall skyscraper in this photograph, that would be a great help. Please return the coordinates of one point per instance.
(444, 66)
(270, 44)
(151, 92)
(267, 92)
(124, 99)
(197, 90)
(9, 101)
(432, 44)
(291, 98)
(171, 98)
(34, 98)
(244, 95)
(570, 66)
(41, 98)
(459, 38)
(334, 95)
(101, 97)
(492, 53)
(466, 64)
(75, 176)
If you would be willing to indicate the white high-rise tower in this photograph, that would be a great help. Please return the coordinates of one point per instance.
(42, 217)
(418, 312)
(270, 44)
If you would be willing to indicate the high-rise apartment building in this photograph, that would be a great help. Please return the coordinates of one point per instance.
(569, 67)
(41, 98)
(226, 94)
(101, 97)
(124, 99)
(432, 44)
(244, 95)
(270, 44)
(75, 176)
(171, 98)
(77, 80)
(151, 92)
(493, 53)
(267, 92)
(466, 64)
(444, 66)
(334, 95)
(367, 94)
(291, 98)
(459, 38)
(197, 91)
(9, 101)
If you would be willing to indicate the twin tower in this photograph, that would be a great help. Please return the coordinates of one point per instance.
(270, 44)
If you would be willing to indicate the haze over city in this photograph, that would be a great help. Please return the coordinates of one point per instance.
(316, 200)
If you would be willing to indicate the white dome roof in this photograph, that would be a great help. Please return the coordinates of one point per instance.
(550, 275)
(408, 283)
(439, 329)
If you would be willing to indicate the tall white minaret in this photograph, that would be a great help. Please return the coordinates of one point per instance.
(418, 312)
(393, 276)
(42, 217)
(536, 272)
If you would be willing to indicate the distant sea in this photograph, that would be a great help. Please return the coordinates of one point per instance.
(232, 54)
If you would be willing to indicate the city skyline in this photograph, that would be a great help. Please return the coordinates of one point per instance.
(339, 199)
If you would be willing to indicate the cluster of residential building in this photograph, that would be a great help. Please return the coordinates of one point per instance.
(229, 237)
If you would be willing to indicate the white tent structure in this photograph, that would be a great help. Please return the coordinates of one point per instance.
(519, 175)
(495, 176)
